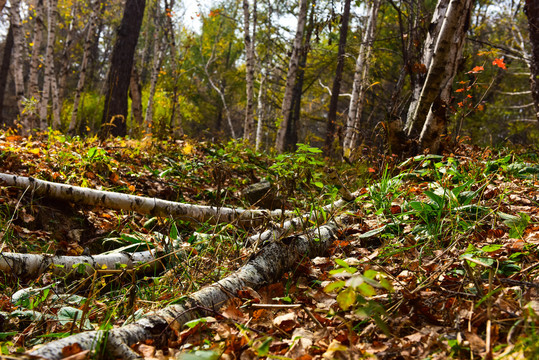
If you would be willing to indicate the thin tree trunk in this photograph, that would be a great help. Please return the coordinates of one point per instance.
(158, 55)
(135, 92)
(4, 70)
(260, 111)
(90, 36)
(360, 84)
(175, 118)
(56, 103)
(156, 207)
(336, 89)
(532, 12)
(33, 85)
(291, 78)
(114, 117)
(17, 61)
(249, 40)
(49, 64)
(65, 63)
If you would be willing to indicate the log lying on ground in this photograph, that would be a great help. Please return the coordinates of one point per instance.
(300, 222)
(33, 265)
(273, 260)
(144, 205)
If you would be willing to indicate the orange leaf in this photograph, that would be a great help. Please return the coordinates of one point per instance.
(499, 63)
(476, 70)
(459, 90)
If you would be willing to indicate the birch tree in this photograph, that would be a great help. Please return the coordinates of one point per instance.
(49, 64)
(4, 69)
(291, 77)
(531, 9)
(33, 85)
(249, 40)
(441, 54)
(17, 60)
(360, 84)
(332, 114)
(88, 43)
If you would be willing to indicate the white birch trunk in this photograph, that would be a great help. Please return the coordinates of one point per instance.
(156, 207)
(33, 265)
(270, 264)
(49, 64)
(291, 77)
(360, 83)
(438, 46)
(33, 85)
(56, 104)
(260, 113)
(90, 35)
(221, 95)
(435, 124)
(176, 122)
(249, 40)
(18, 62)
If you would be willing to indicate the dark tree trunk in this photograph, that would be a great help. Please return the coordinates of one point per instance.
(4, 69)
(293, 121)
(114, 117)
(532, 12)
(332, 116)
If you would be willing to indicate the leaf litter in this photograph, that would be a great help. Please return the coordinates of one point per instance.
(436, 259)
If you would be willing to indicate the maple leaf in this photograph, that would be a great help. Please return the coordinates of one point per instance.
(499, 63)
(476, 70)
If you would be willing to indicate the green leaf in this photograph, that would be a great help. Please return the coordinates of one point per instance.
(370, 233)
(318, 184)
(263, 349)
(200, 355)
(191, 324)
(334, 286)
(491, 247)
(342, 263)
(346, 298)
(366, 290)
(173, 231)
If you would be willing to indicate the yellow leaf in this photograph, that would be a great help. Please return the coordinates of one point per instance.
(34, 151)
(187, 149)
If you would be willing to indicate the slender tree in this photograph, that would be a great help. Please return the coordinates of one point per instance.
(291, 77)
(249, 40)
(531, 9)
(33, 85)
(332, 115)
(48, 82)
(114, 117)
(17, 59)
(360, 84)
(4, 69)
(88, 43)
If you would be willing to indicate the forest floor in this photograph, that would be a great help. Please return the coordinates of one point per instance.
(438, 256)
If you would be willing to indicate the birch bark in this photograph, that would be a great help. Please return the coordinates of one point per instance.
(88, 43)
(158, 55)
(17, 60)
(441, 51)
(291, 78)
(249, 40)
(4, 70)
(360, 84)
(33, 86)
(156, 207)
(270, 264)
(49, 64)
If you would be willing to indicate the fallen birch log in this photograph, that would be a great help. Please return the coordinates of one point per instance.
(268, 266)
(144, 205)
(33, 265)
(300, 222)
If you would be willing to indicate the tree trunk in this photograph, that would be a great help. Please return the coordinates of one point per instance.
(66, 62)
(175, 117)
(4, 71)
(156, 207)
(336, 90)
(360, 84)
(267, 267)
(17, 61)
(158, 55)
(49, 64)
(249, 40)
(441, 53)
(90, 36)
(135, 92)
(114, 117)
(532, 12)
(291, 78)
(260, 111)
(33, 85)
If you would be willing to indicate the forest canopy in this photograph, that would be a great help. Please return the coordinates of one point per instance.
(337, 74)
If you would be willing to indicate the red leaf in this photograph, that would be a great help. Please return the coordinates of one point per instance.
(499, 63)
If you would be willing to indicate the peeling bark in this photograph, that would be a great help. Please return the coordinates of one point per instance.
(145, 205)
(267, 267)
(33, 265)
